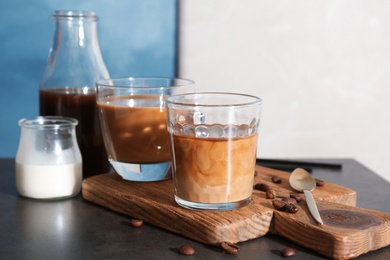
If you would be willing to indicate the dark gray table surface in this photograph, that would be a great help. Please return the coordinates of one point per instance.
(77, 229)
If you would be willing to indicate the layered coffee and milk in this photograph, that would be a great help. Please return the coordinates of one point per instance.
(214, 144)
(135, 129)
(214, 170)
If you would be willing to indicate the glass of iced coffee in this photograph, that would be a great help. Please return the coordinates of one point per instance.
(134, 124)
(214, 143)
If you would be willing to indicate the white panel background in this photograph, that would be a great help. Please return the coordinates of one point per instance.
(321, 67)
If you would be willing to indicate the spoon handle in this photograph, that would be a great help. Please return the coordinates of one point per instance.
(311, 204)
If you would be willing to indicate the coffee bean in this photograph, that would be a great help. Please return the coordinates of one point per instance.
(186, 250)
(279, 204)
(296, 197)
(262, 187)
(256, 173)
(270, 194)
(291, 208)
(136, 222)
(230, 248)
(276, 179)
(289, 201)
(287, 251)
(319, 182)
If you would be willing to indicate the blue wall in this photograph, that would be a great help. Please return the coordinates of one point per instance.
(137, 38)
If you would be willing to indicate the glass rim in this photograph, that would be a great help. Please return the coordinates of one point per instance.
(175, 101)
(74, 14)
(110, 83)
(48, 122)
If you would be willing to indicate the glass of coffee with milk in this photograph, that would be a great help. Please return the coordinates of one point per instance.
(214, 143)
(134, 124)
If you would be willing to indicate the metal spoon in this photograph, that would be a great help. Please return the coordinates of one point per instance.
(302, 181)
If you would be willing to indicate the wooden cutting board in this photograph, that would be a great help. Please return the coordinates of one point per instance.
(347, 231)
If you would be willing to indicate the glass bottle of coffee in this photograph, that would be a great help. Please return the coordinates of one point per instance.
(67, 86)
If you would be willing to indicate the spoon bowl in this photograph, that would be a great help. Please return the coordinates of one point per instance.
(302, 181)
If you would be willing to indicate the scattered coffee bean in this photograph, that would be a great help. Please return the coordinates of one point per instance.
(186, 250)
(319, 182)
(287, 251)
(296, 197)
(289, 201)
(230, 248)
(276, 179)
(256, 173)
(136, 222)
(279, 204)
(291, 208)
(262, 187)
(270, 194)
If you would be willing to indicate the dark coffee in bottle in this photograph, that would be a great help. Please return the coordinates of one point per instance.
(73, 102)
(67, 86)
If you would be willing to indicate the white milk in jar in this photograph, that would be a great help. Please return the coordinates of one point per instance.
(48, 162)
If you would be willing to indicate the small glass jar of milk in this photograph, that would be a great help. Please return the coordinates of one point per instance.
(48, 162)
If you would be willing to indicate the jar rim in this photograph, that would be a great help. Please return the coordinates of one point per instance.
(145, 82)
(213, 99)
(48, 122)
(74, 14)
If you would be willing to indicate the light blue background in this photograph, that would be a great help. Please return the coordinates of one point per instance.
(137, 38)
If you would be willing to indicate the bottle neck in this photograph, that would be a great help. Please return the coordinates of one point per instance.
(75, 34)
(74, 58)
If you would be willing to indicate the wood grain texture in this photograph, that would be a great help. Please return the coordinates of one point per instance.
(154, 203)
(329, 192)
(347, 231)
